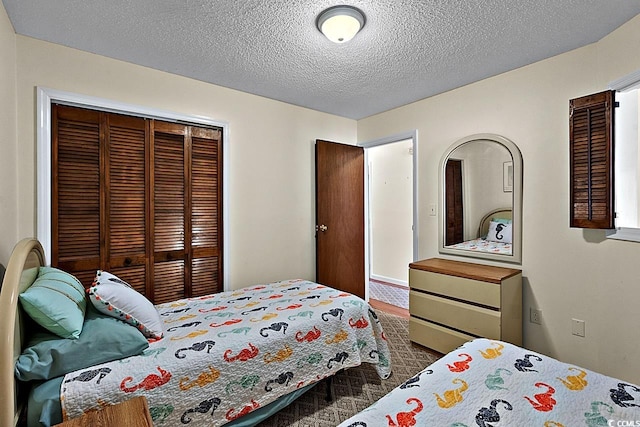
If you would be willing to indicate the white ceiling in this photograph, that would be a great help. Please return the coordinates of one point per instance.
(407, 50)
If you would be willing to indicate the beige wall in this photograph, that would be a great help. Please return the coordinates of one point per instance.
(569, 273)
(8, 171)
(271, 155)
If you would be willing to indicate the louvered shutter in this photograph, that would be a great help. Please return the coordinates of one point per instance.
(206, 215)
(75, 184)
(170, 221)
(125, 225)
(591, 144)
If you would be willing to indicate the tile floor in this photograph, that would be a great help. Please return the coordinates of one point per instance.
(391, 294)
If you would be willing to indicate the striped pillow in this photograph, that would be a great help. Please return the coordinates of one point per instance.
(56, 301)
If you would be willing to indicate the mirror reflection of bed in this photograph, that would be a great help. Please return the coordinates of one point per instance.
(494, 234)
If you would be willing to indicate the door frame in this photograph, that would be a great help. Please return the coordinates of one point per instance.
(45, 96)
(403, 136)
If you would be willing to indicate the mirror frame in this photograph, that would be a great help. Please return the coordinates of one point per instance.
(516, 256)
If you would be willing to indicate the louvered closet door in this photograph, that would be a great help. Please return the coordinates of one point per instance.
(206, 215)
(75, 220)
(186, 203)
(140, 198)
(170, 227)
(125, 224)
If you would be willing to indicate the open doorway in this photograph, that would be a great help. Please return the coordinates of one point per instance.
(391, 238)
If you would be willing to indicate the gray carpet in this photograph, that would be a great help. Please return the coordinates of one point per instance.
(357, 388)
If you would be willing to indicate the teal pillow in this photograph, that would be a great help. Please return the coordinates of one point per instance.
(102, 340)
(501, 220)
(56, 301)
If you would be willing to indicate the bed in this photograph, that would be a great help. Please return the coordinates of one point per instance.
(496, 223)
(493, 383)
(222, 358)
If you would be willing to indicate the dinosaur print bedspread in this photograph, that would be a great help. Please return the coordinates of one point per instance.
(492, 383)
(225, 355)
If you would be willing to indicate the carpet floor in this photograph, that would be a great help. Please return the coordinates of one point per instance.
(357, 388)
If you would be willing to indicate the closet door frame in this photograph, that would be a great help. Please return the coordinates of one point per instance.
(47, 96)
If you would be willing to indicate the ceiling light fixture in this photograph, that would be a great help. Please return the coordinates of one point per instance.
(340, 23)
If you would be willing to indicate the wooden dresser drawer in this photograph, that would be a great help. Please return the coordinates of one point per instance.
(434, 336)
(474, 291)
(451, 302)
(475, 320)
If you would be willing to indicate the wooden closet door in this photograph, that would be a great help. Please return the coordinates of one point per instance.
(75, 184)
(187, 211)
(140, 198)
(99, 190)
(171, 216)
(124, 222)
(206, 210)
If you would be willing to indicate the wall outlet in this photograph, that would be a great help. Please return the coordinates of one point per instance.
(577, 327)
(535, 315)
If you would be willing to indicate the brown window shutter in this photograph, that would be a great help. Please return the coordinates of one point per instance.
(591, 144)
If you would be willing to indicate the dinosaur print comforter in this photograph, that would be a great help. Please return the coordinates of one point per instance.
(492, 383)
(225, 355)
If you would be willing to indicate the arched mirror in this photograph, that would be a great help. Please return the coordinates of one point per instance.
(481, 199)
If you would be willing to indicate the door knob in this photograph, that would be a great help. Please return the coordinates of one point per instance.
(323, 228)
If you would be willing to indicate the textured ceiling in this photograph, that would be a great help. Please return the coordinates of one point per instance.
(408, 50)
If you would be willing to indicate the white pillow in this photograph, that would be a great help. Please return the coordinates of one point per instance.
(115, 297)
(500, 232)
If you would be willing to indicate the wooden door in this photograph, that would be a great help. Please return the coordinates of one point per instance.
(454, 212)
(340, 216)
(141, 198)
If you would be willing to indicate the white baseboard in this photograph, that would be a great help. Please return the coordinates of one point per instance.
(389, 280)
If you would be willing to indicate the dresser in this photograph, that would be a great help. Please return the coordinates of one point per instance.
(452, 302)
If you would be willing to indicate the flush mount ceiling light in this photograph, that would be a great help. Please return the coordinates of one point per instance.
(340, 23)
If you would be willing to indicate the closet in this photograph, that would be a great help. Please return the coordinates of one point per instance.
(139, 197)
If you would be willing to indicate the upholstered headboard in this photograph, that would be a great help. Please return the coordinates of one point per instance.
(502, 213)
(21, 272)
